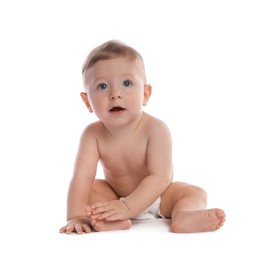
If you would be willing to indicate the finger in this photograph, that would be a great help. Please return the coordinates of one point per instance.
(97, 217)
(63, 229)
(86, 228)
(106, 215)
(78, 229)
(93, 222)
(98, 205)
(93, 217)
(88, 210)
(69, 229)
(113, 217)
(102, 209)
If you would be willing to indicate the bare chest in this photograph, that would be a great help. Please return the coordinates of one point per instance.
(124, 157)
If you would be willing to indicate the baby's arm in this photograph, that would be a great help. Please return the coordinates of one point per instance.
(79, 189)
(159, 165)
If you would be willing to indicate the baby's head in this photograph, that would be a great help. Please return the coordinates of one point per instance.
(110, 50)
(114, 72)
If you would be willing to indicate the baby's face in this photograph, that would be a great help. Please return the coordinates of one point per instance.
(116, 89)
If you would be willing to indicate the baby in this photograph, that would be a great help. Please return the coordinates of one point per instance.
(135, 151)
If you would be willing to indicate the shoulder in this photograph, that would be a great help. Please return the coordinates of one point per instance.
(155, 126)
(93, 127)
(154, 123)
(92, 131)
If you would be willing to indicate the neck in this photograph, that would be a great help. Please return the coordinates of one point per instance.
(125, 130)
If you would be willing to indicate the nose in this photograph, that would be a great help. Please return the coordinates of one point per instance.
(115, 93)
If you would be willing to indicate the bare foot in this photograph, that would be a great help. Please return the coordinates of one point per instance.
(198, 221)
(103, 225)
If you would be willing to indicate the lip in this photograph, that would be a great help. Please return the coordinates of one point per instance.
(117, 109)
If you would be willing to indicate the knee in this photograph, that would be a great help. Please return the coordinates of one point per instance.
(181, 190)
(193, 190)
(197, 191)
(102, 190)
(99, 182)
(99, 186)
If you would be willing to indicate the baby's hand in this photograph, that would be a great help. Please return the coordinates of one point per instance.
(76, 225)
(111, 211)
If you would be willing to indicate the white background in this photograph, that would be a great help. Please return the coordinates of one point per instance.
(210, 65)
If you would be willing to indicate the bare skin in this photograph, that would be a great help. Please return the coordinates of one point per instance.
(135, 151)
(104, 225)
(198, 221)
(189, 215)
(184, 222)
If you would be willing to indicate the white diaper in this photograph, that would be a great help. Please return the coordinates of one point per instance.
(150, 213)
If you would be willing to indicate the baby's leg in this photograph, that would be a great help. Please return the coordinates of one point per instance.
(101, 192)
(186, 205)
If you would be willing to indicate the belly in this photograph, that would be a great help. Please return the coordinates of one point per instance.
(123, 184)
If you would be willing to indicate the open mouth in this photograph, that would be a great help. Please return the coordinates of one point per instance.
(116, 109)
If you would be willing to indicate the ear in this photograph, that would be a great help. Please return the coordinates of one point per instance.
(147, 93)
(85, 99)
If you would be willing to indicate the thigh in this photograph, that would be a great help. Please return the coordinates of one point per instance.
(174, 192)
(101, 191)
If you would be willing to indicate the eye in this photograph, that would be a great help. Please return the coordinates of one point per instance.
(127, 83)
(102, 86)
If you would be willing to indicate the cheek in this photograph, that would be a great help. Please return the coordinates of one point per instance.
(137, 100)
(97, 98)
(96, 103)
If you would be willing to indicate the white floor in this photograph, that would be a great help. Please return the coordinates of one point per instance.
(36, 237)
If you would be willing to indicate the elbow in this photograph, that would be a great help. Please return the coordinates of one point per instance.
(167, 180)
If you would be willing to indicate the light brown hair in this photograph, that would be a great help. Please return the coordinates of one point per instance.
(109, 50)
